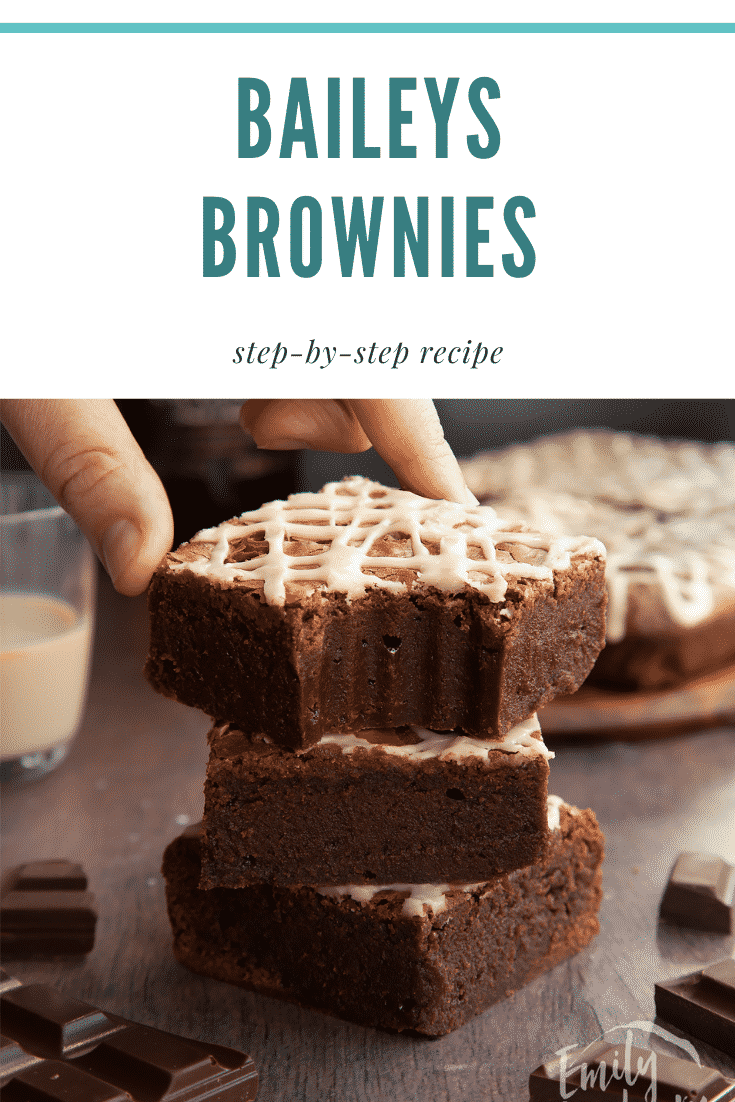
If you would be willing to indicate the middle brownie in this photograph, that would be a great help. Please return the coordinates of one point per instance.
(390, 806)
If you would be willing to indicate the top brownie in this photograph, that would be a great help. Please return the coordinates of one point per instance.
(363, 606)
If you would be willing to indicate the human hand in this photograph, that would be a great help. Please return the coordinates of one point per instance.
(83, 450)
(407, 434)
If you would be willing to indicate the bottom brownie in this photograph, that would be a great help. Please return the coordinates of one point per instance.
(406, 957)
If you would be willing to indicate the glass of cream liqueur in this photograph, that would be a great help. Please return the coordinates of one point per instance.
(47, 597)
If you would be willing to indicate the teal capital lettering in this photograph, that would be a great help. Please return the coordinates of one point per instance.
(247, 114)
(214, 204)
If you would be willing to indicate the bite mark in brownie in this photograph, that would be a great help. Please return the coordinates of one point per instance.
(383, 806)
(457, 952)
(363, 607)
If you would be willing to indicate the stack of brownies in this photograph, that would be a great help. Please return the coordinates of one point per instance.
(378, 840)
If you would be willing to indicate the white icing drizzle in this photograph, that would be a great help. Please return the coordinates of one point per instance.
(418, 896)
(664, 510)
(433, 896)
(553, 804)
(447, 747)
(673, 476)
(684, 581)
(347, 518)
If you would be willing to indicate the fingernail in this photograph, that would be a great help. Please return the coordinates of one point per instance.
(287, 445)
(120, 545)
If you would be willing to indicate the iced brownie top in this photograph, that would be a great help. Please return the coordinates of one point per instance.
(418, 899)
(356, 534)
(672, 477)
(688, 561)
(665, 511)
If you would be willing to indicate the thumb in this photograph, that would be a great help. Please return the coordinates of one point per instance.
(84, 452)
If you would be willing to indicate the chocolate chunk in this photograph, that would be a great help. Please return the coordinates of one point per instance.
(611, 1072)
(702, 1004)
(52, 1081)
(56, 1048)
(47, 909)
(14, 1059)
(7, 983)
(700, 893)
(53, 1025)
(721, 977)
(57, 875)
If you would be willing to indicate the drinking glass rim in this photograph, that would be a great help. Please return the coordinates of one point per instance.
(33, 514)
(47, 512)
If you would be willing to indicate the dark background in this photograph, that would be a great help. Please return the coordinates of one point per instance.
(212, 470)
(476, 424)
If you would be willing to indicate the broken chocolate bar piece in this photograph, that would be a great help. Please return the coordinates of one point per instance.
(702, 1004)
(604, 1072)
(14, 1059)
(56, 875)
(700, 893)
(57, 1048)
(46, 908)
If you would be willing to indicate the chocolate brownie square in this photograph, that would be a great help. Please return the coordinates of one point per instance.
(665, 510)
(379, 806)
(418, 957)
(366, 607)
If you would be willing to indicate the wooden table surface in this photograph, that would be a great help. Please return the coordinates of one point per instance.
(134, 778)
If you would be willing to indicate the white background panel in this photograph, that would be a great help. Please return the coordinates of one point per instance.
(388, 11)
(622, 142)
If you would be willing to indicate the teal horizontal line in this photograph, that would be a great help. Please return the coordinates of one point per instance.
(367, 28)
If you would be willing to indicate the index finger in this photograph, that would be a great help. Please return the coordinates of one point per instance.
(407, 434)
